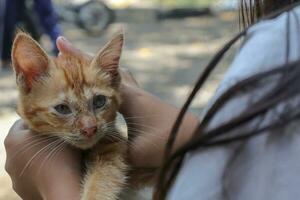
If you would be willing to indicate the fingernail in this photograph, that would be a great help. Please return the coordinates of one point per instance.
(64, 39)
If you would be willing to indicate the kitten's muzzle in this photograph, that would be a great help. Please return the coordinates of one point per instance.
(87, 125)
(89, 132)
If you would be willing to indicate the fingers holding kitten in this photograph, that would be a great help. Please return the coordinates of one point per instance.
(66, 47)
(17, 133)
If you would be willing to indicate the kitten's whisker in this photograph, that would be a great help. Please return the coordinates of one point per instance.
(34, 156)
(110, 129)
(137, 132)
(129, 124)
(136, 126)
(66, 137)
(141, 117)
(58, 142)
(59, 149)
(140, 131)
(28, 138)
(109, 124)
(57, 134)
(117, 137)
(111, 139)
(32, 144)
(145, 141)
(32, 137)
(149, 141)
(61, 146)
(131, 144)
(111, 132)
(133, 123)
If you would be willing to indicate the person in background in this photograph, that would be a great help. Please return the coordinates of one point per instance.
(16, 12)
(49, 20)
(2, 13)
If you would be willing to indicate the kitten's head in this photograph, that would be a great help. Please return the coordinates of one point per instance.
(73, 97)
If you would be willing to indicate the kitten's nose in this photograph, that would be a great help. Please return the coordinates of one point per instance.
(89, 131)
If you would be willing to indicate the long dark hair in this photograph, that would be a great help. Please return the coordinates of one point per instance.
(251, 11)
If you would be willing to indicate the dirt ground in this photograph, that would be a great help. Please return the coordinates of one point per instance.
(165, 57)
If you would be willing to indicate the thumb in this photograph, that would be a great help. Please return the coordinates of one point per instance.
(66, 47)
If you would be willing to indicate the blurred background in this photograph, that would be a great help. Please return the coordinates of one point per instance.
(167, 44)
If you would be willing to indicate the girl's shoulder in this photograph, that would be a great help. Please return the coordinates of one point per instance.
(268, 44)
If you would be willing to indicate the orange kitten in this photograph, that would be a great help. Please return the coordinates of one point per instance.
(76, 100)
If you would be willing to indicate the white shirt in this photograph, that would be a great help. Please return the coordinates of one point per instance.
(264, 167)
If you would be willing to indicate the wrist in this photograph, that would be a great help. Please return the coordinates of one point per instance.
(62, 184)
(55, 191)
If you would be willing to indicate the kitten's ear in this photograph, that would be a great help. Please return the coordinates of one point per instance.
(109, 56)
(29, 60)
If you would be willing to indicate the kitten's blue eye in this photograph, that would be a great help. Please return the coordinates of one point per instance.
(99, 101)
(63, 109)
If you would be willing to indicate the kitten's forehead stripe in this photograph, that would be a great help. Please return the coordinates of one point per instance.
(82, 75)
(74, 70)
(82, 82)
(68, 80)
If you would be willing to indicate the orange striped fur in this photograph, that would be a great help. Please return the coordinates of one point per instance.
(46, 82)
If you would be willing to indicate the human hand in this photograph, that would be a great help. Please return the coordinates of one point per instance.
(41, 167)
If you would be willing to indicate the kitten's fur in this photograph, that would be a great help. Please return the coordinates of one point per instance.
(45, 82)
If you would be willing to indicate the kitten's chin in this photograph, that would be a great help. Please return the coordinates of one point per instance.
(85, 144)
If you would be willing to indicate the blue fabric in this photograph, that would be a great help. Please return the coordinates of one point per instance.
(2, 13)
(14, 11)
(11, 17)
(48, 19)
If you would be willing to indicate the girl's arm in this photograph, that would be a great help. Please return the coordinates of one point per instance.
(145, 114)
(151, 120)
